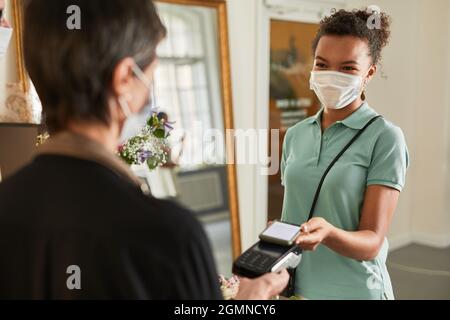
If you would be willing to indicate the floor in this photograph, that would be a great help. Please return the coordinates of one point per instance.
(420, 272)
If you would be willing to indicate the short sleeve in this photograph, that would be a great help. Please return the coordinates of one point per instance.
(390, 160)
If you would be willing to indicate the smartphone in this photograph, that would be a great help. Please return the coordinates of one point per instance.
(280, 233)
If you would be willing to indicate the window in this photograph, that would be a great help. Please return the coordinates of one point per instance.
(186, 79)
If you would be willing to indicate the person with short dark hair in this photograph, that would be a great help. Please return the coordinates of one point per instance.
(76, 223)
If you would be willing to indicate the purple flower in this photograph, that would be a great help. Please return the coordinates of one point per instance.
(168, 127)
(143, 155)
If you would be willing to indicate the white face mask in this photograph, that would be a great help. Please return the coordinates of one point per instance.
(336, 90)
(135, 122)
(5, 38)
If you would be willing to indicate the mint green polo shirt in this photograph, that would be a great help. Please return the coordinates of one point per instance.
(378, 157)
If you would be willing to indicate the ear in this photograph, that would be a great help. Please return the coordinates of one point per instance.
(372, 72)
(122, 77)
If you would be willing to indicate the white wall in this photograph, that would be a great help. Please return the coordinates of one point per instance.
(430, 220)
(415, 96)
(242, 33)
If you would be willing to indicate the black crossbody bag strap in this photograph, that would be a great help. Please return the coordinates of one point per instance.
(316, 196)
(291, 288)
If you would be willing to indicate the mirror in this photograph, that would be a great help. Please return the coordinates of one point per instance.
(18, 99)
(192, 90)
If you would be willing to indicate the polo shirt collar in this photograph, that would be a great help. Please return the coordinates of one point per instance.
(357, 120)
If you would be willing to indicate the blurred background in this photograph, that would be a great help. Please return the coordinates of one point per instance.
(270, 57)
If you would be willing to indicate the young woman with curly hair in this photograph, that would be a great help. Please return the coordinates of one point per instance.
(345, 246)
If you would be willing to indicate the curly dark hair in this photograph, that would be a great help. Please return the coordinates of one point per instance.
(355, 23)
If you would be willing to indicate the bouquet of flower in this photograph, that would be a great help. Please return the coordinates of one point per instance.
(230, 287)
(150, 146)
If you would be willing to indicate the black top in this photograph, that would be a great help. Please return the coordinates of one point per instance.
(60, 211)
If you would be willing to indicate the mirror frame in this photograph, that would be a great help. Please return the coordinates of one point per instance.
(17, 14)
(227, 106)
(23, 80)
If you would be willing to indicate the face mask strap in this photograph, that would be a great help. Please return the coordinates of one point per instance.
(125, 107)
(149, 84)
(153, 98)
(141, 75)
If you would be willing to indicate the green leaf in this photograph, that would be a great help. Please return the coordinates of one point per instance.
(160, 133)
(152, 164)
(153, 121)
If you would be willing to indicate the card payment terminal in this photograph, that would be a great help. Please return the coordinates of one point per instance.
(276, 251)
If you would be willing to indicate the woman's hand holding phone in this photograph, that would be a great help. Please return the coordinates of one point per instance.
(313, 233)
